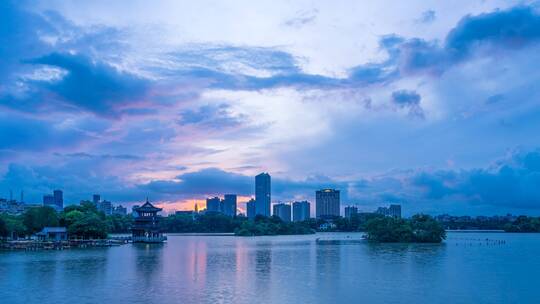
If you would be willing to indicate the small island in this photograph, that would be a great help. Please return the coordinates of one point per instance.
(420, 228)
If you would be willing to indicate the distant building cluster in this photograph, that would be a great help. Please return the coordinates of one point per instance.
(106, 206)
(327, 205)
(55, 200)
(392, 210)
(14, 207)
(226, 206)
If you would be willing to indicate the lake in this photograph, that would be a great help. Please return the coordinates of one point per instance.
(321, 268)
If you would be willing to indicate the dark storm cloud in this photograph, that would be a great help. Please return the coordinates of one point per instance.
(22, 134)
(513, 182)
(91, 85)
(496, 31)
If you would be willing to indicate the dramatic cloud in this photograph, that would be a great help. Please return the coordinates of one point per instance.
(93, 86)
(98, 98)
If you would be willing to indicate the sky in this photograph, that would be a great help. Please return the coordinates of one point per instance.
(434, 105)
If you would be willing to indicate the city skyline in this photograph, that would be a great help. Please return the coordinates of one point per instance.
(424, 104)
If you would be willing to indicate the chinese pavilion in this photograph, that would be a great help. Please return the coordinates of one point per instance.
(146, 227)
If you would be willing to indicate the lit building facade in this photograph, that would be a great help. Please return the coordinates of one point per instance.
(327, 203)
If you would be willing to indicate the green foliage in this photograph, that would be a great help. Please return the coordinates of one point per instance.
(3, 228)
(357, 222)
(272, 226)
(426, 229)
(204, 223)
(419, 229)
(35, 219)
(88, 225)
(389, 230)
(119, 223)
(523, 224)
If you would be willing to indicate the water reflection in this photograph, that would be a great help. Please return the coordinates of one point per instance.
(148, 261)
(327, 263)
(281, 269)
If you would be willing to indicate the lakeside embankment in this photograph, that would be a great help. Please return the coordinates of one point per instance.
(32, 245)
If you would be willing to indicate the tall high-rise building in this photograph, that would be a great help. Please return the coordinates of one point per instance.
(250, 209)
(229, 205)
(350, 211)
(327, 203)
(106, 207)
(96, 198)
(283, 211)
(301, 211)
(394, 211)
(262, 194)
(213, 204)
(48, 200)
(58, 199)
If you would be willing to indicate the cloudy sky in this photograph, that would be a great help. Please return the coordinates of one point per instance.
(431, 104)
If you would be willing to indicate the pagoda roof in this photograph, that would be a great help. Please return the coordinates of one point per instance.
(148, 207)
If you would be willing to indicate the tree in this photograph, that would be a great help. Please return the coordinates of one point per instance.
(426, 229)
(262, 225)
(389, 230)
(3, 228)
(35, 219)
(419, 229)
(88, 226)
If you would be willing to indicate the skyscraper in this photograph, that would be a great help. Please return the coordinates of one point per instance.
(262, 194)
(96, 198)
(327, 203)
(350, 211)
(394, 211)
(106, 207)
(213, 204)
(283, 211)
(229, 205)
(250, 209)
(301, 211)
(58, 199)
(48, 200)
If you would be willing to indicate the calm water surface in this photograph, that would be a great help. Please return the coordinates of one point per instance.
(338, 268)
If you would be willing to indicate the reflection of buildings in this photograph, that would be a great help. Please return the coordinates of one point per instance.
(328, 270)
(283, 211)
(327, 203)
(301, 211)
(262, 194)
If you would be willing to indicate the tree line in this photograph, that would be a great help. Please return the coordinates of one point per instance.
(82, 221)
